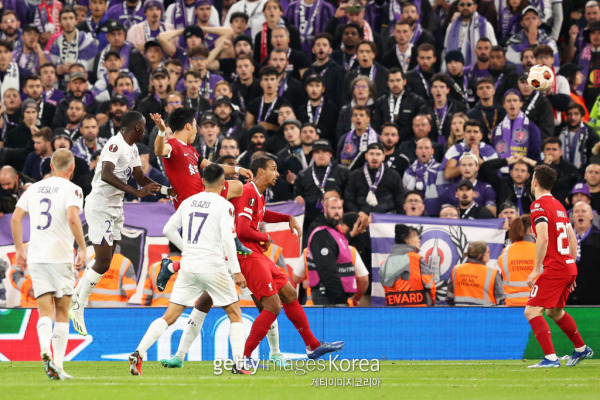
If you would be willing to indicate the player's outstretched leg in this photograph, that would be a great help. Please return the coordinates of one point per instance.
(155, 330)
(273, 338)
(541, 330)
(190, 332)
(262, 323)
(295, 313)
(567, 324)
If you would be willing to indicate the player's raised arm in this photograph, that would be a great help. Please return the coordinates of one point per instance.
(161, 147)
(229, 169)
(17, 234)
(541, 246)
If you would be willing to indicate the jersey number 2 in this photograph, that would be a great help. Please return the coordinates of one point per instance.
(561, 227)
(193, 217)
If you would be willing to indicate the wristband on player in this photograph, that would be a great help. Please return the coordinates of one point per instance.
(164, 190)
(161, 134)
(236, 170)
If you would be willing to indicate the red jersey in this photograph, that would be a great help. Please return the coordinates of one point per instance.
(181, 167)
(558, 260)
(251, 205)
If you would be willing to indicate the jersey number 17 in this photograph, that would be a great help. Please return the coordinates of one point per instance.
(196, 216)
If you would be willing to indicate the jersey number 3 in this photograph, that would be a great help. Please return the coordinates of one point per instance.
(561, 227)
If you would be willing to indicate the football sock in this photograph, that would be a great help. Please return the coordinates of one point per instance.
(296, 314)
(568, 326)
(156, 328)
(236, 338)
(273, 338)
(259, 330)
(44, 331)
(541, 331)
(190, 332)
(88, 282)
(60, 338)
(174, 267)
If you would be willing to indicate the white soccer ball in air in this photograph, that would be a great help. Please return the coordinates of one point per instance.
(540, 78)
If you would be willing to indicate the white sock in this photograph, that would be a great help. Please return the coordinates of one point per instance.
(237, 340)
(191, 331)
(580, 349)
(273, 338)
(44, 331)
(156, 328)
(551, 357)
(60, 338)
(88, 283)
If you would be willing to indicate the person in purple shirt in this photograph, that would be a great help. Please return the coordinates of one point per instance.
(310, 17)
(483, 194)
(129, 13)
(481, 68)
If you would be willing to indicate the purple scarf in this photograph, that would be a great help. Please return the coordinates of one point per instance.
(477, 22)
(354, 145)
(305, 19)
(179, 20)
(515, 134)
(509, 23)
(585, 60)
(416, 34)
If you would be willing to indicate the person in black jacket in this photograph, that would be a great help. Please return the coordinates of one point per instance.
(515, 188)
(487, 110)
(366, 53)
(12, 186)
(401, 48)
(375, 187)
(351, 36)
(331, 72)
(504, 74)
(461, 87)
(467, 207)
(588, 247)
(399, 107)
(318, 110)
(568, 174)
(78, 90)
(443, 107)
(577, 137)
(312, 182)
(537, 108)
(418, 79)
(154, 103)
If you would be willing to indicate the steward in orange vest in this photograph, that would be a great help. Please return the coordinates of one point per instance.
(117, 285)
(151, 296)
(21, 280)
(474, 283)
(516, 262)
(405, 277)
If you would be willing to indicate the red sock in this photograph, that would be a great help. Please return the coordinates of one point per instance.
(568, 326)
(176, 266)
(296, 314)
(541, 330)
(259, 330)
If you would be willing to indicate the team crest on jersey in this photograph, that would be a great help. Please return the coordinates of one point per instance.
(113, 148)
(251, 202)
(231, 212)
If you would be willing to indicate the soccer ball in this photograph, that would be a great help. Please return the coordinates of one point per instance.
(540, 78)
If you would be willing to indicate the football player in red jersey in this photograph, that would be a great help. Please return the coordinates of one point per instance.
(268, 284)
(556, 250)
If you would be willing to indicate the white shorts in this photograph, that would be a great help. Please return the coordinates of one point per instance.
(104, 223)
(48, 278)
(189, 286)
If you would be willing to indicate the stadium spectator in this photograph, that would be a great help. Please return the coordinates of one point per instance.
(420, 14)
(363, 94)
(457, 130)
(258, 142)
(401, 55)
(461, 88)
(581, 194)
(273, 12)
(574, 77)
(467, 207)
(418, 79)
(568, 175)
(309, 22)
(34, 90)
(513, 188)
(346, 55)
(469, 24)
(516, 262)
(198, 62)
(117, 107)
(588, 88)
(588, 246)
(487, 109)
(421, 125)
(516, 134)
(530, 34)
(77, 90)
(229, 148)
(263, 111)
(508, 211)
(42, 149)
(400, 106)
(128, 13)
(208, 147)
(425, 176)
(155, 101)
(106, 83)
(389, 140)
(29, 55)
(509, 18)
(374, 188)
(332, 73)
(577, 138)
(149, 28)
(537, 108)
(472, 143)
(480, 68)
(288, 87)
(94, 22)
(366, 52)
(527, 60)
(336, 274)
(89, 141)
(503, 73)
(231, 122)
(353, 145)
(62, 140)
(474, 283)
(414, 204)
(297, 61)
(449, 211)
(10, 27)
(405, 276)
(19, 136)
(318, 110)
(12, 186)
(592, 178)
(312, 182)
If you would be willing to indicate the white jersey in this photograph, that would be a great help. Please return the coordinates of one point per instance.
(125, 158)
(204, 218)
(46, 202)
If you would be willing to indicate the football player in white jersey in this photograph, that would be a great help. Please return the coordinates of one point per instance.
(53, 205)
(208, 259)
(118, 160)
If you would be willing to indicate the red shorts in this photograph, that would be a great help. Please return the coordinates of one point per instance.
(551, 291)
(262, 275)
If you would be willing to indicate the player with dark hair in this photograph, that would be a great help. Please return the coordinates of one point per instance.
(119, 160)
(268, 284)
(556, 250)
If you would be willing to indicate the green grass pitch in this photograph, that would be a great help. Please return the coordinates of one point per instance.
(399, 380)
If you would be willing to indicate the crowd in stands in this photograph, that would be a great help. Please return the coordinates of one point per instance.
(415, 107)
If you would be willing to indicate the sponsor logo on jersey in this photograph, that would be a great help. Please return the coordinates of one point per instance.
(251, 202)
(231, 212)
(324, 251)
(113, 148)
(78, 194)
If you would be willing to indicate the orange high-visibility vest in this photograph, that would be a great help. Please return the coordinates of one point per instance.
(151, 296)
(516, 263)
(411, 293)
(21, 280)
(474, 284)
(116, 286)
(309, 301)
